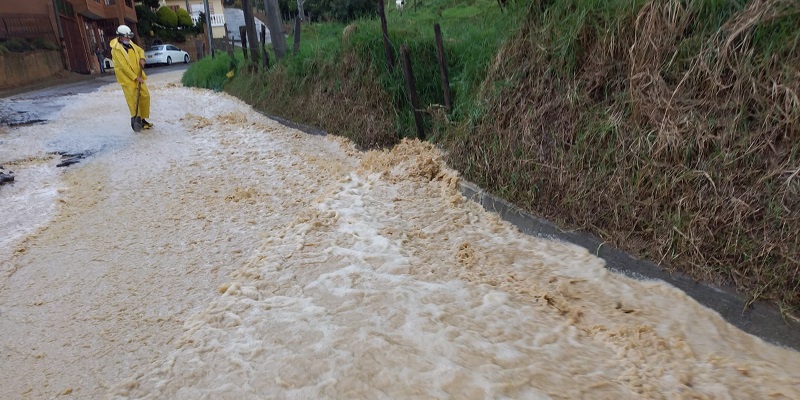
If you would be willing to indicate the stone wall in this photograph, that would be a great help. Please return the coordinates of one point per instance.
(17, 69)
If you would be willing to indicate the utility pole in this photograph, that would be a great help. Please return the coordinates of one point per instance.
(275, 28)
(250, 25)
(208, 29)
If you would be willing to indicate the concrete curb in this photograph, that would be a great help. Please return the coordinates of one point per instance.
(761, 319)
(294, 125)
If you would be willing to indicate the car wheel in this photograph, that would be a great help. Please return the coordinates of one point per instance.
(169, 60)
(186, 59)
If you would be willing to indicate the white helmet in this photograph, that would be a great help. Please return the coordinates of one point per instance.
(123, 30)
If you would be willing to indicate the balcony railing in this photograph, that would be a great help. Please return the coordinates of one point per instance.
(216, 19)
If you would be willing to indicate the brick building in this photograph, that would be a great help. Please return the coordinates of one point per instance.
(78, 26)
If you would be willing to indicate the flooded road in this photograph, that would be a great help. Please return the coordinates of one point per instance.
(222, 255)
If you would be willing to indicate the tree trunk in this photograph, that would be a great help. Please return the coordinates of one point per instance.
(275, 28)
(296, 46)
(252, 35)
(300, 11)
(387, 47)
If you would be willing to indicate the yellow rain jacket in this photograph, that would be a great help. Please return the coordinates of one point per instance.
(127, 68)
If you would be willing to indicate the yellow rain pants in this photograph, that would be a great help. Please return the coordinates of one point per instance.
(127, 68)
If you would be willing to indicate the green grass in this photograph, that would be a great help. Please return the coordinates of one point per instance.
(472, 33)
(210, 73)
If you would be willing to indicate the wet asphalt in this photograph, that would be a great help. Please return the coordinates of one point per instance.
(40, 105)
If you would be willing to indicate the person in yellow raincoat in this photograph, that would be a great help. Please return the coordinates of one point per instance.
(129, 68)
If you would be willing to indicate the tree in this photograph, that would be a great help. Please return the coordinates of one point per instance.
(153, 4)
(184, 19)
(300, 12)
(167, 17)
(340, 10)
(201, 22)
(146, 18)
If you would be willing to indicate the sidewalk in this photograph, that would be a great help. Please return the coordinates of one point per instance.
(59, 78)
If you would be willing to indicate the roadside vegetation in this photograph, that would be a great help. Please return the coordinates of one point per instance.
(21, 45)
(667, 128)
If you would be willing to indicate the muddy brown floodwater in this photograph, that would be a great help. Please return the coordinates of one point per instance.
(222, 255)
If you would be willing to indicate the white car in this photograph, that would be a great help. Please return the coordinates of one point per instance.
(165, 54)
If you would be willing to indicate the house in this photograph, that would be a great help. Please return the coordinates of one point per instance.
(195, 7)
(98, 21)
(78, 26)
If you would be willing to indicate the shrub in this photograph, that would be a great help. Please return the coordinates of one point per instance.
(3, 50)
(43, 44)
(167, 17)
(184, 19)
(18, 45)
(147, 18)
(341, 10)
(210, 72)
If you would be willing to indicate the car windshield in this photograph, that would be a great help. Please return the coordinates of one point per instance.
(154, 48)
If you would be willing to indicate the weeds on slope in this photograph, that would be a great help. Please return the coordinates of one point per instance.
(344, 68)
(668, 128)
(211, 73)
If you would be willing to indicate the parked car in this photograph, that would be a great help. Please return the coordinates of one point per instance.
(165, 54)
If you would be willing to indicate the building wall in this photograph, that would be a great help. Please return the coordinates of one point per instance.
(26, 6)
(31, 7)
(218, 32)
(19, 69)
(214, 7)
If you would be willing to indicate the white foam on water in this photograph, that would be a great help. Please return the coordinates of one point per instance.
(27, 204)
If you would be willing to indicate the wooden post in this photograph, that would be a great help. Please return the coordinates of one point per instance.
(243, 36)
(296, 46)
(208, 28)
(264, 53)
(252, 33)
(228, 42)
(200, 46)
(387, 47)
(437, 30)
(412, 91)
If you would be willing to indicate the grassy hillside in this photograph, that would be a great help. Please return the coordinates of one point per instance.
(668, 128)
(341, 68)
